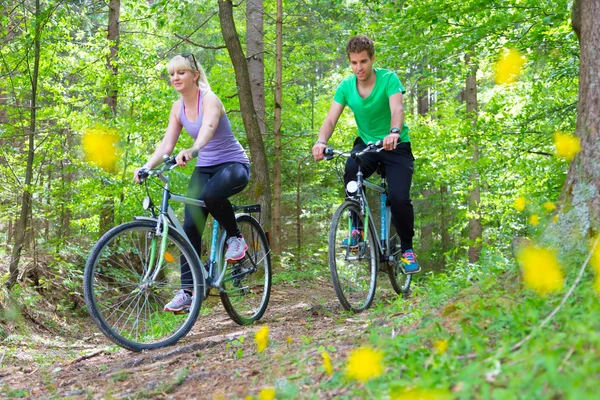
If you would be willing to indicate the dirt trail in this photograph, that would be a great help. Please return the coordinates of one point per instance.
(217, 359)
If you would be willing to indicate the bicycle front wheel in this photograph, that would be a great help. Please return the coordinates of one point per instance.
(353, 260)
(246, 287)
(126, 288)
(400, 281)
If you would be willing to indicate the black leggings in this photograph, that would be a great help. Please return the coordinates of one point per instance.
(399, 167)
(214, 185)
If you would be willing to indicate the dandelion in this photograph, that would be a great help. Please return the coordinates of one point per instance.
(508, 68)
(597, 285)
(520, 204)
(541, 271)
(419, 394)
(549, 206)
(534, 220)
(262, 338)
(555, 219)
(100, 147)
(364, 364)
(440, 346)
(327, 363)
(566, 145)
(267, 394)
(595, 260)
(289, 340)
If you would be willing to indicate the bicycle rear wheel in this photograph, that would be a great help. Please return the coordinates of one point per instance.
(353, 261)
(126, 304)
(246, 287)
(400, 281)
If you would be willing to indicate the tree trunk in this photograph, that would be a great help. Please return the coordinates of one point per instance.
(582, 185)
(26, 195)
(107, 213)
(475, 228)
(261, 184)
(445, 217)
(277, 174)
(255, 50)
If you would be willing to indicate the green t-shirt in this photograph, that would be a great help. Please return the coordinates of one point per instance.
(372, 115)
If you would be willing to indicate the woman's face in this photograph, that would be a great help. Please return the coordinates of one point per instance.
(183, 80)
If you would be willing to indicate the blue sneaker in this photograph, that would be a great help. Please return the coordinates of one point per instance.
(355, 238)
(409, 261)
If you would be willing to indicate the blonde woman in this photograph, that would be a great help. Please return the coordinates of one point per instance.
(222, 168)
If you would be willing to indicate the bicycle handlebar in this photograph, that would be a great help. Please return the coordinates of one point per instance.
(329, 152)
(168, 164)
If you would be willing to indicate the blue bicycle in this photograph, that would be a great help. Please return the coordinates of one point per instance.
(356, 251)
(135, 267)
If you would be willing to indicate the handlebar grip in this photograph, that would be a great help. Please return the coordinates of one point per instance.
(328, 153)
(143, 173)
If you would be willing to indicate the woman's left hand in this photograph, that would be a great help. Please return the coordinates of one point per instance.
(185, 155)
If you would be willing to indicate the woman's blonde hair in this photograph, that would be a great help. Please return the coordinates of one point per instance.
(187, 62)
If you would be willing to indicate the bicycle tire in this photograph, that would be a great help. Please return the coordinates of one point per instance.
(354, 284)
(399, 280)
(246, 287)
(127, 309)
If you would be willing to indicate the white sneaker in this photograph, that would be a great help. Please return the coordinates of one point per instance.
(236, 248)
(181, 301)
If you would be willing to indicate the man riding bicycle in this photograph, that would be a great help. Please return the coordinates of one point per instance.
(375, 97)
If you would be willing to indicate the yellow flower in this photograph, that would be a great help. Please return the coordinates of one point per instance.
(597, 285)
(267, 394)
(534, 220)
(440, 346)
(100, 147)
(327, 363)
(262, 338)
(363, 364)
(419, 394)
(520, 204)
(508, 68)
(289, 340)
(549, 206)
(555, 219)
(566, 145)
(541, 271)
(595, 260)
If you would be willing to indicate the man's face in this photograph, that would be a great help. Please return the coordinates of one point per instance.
(362, 65)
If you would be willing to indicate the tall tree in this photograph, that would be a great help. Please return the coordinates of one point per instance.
(255, 52)
(475, 227)
(261, 183)
(277, 174)
(26, 197)
(582, 186)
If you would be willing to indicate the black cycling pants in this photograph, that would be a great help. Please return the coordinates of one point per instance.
(214, 185)
(399, 168)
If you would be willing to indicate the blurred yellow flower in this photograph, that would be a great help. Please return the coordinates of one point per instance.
(566, 145)
(541, 271)
(509, 66)
(267, 394)
(262, 338)
(289, 340)
(100, 147)
(440, 346)
(534, 220)
(248, 397)
(555, 219)
(597, 285)
(595, 260)
(364, 363)
(549, 206)
(419, 394)
(327, 363)
(520, 204)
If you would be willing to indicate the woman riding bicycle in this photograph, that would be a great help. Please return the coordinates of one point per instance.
(222, 168)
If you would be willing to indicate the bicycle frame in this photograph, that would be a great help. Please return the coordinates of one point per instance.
(167, 219)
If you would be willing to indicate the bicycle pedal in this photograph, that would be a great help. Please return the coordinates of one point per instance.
(180, 312)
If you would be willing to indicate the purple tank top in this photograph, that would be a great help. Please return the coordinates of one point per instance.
(222, 148)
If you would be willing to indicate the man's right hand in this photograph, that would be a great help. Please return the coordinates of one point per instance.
(136, 177)
(318, 150)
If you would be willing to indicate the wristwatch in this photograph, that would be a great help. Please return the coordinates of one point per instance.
(395, 130)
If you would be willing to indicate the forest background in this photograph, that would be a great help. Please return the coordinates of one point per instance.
(495, 157)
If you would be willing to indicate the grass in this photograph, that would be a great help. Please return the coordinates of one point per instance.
(479, 313)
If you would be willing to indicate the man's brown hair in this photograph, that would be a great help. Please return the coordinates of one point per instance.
(358, 44)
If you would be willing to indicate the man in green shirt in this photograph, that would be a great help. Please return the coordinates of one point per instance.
(375, 97)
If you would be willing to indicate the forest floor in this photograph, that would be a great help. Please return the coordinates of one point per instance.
(216, 360)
